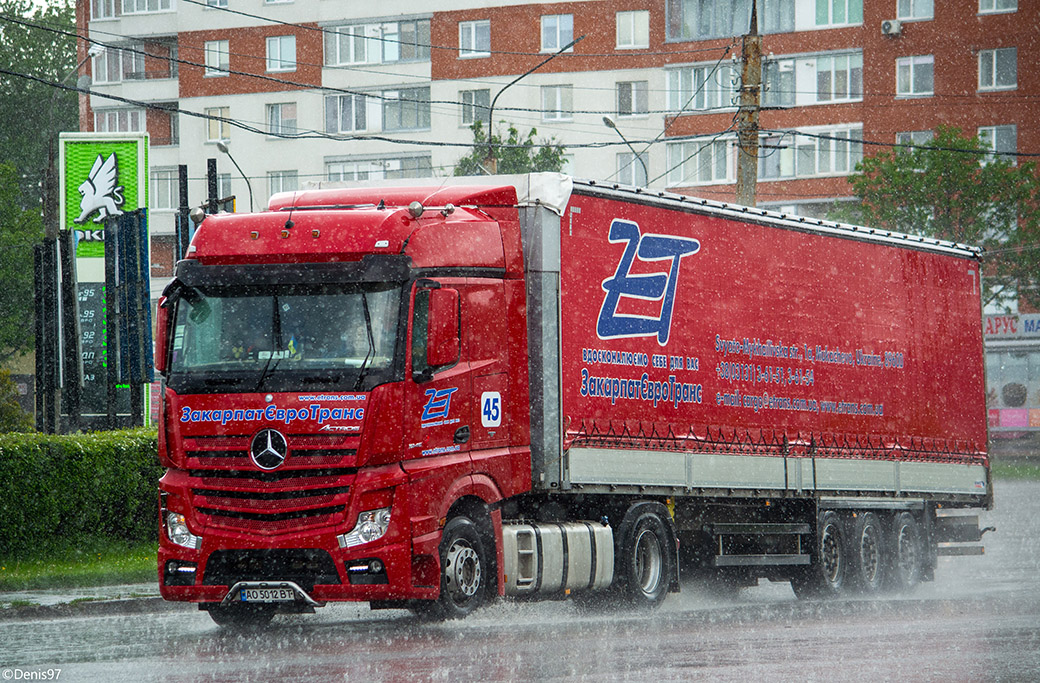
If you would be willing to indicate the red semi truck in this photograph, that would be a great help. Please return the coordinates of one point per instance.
(429, 395)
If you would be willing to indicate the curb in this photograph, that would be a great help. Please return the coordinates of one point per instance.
(91, 607)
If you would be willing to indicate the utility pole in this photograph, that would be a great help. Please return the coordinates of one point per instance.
(747, 116)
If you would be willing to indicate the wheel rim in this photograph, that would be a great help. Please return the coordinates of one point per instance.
(830, 552)
(907, 559)
(870, 553)
(648, 562)
(462, 572)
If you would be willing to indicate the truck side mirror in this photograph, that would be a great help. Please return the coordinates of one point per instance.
(442, 328)
(162, 316)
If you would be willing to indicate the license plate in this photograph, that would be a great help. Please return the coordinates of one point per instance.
(266, 595)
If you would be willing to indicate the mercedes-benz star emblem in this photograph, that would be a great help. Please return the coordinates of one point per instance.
(268, 449)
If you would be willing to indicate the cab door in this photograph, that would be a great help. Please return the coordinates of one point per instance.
(440, 405)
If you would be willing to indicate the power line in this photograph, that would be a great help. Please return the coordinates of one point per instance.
(453, 48)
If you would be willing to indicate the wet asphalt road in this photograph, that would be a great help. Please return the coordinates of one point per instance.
(979, 621)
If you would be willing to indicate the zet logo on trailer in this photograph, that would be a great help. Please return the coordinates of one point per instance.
(645, 287)
(439, 404)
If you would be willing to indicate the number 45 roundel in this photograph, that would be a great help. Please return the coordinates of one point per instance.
(490, 409)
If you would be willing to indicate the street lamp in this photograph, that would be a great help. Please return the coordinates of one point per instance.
(222, 146)
(491, 161)
(609, 123)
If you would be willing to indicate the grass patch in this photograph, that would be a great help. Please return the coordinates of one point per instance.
(1025, 470)
(100, 563)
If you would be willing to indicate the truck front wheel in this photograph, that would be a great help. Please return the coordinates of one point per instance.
(243, 617)
(465, 572)
(647, 561)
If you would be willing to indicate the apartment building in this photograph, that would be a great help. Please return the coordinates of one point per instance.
(305, 90)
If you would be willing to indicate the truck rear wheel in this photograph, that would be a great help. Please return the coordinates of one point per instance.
(465, 572)
(647, 561)
(905, 554)
(867, 566)
(826, 576)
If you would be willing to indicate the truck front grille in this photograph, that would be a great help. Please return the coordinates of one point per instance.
(271, 502)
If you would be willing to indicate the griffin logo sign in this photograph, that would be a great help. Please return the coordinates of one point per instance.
(646, 287)
(100, 191)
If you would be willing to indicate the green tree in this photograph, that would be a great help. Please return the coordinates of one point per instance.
(514, 155)
(33, 113)
(951, 190)
(20, 229)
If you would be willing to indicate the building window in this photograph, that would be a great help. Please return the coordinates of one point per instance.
(778, 81)
(704, 19)
(119, 121)
(998, 69)
(163, 188)
(702, 88)
(633, 29)
(915, 76)
(406, 109)
(839, 12)
(557, 31)
(474, 38)
(700, 162)
(914, 9)
(146, 6)
(557, 103)
(913, 138)
(346, 113)
(114, 65)
(217, 123)
(393, 168)
(776, 16)
(281, 53)
(839, 78)
(216, 3)
(828, 152)
(283, 181)
(1001, 140)
(822, 152)
(988, 6)
(223, 185)
(281, 118)
(629, 169)
(632, 98)
(217, 57)
(475, 105)
(104, 9)
(396, 41)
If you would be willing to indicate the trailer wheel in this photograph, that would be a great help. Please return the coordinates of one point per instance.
(868, 552)
(826, 576)
(905, 554)
(464, 572)
(242, 617)
(647, 561)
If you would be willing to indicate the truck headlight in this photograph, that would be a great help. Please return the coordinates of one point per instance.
(371, 525)
(177, 531)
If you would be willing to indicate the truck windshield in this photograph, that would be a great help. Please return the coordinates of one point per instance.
(286, 339)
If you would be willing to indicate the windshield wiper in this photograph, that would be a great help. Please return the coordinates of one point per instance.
(276, 329)
(371, 343)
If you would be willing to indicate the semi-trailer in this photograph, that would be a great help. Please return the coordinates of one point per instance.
(432, 393)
